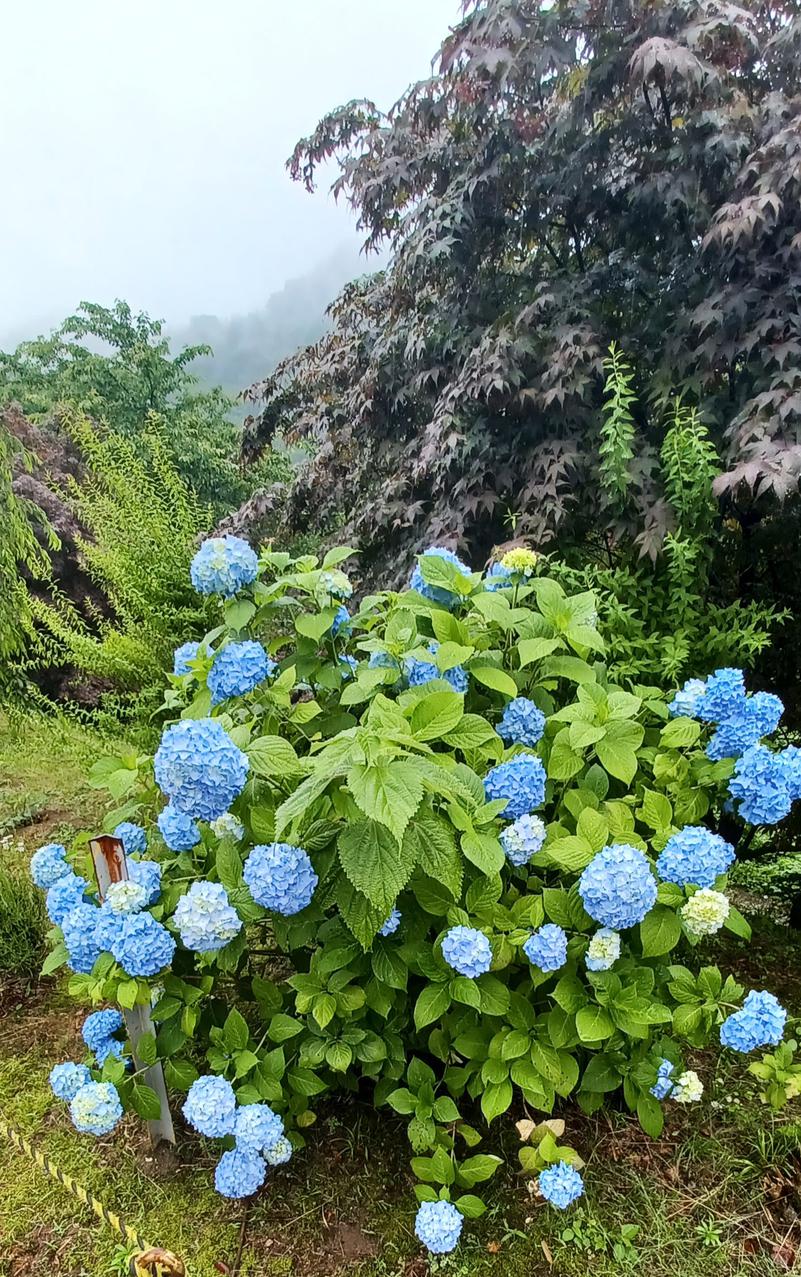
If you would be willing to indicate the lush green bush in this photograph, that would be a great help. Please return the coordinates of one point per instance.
(362, 752)
(23, 925)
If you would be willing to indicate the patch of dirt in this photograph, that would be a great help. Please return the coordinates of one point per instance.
(31, 1019)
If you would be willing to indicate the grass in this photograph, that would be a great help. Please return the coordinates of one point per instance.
(717, 1195)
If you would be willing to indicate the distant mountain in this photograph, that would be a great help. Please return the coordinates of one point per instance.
(247, 347)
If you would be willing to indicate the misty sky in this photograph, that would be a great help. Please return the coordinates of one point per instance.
(143, 143)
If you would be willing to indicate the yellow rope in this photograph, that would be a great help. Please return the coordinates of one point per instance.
(149, 1261)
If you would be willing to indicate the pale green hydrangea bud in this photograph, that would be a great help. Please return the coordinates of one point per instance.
(705, 912)
(688, 1088)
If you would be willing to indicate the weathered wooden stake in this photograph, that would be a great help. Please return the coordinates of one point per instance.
(110, 864)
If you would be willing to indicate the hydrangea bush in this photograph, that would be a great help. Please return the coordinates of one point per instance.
(425, 845)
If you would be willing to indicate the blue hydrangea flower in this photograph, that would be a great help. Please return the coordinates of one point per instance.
(79, 937)
(686, 701)
(280, 877)
(182, 656)
(523, 839)
(418, 673)
(438, 1226)
(497, 577)
(547, 947)
(67, 1079)
(759, 1022)
(467, 950)
(664, 1084)
(228, 826)
(257, 1127)
(617, 887)
(279, 1153)
(178, 830)
(392, 923)
(205, 918)
(382, 661)
(724, 694)
(348, 665)
(341, 621)
(790, 763)
(223, 565)
(237, 669)
(199, 767)
(603, 950)
(110, 1047)
(143, 947)
(336, 584)
(210, 1106)
(48, 864)
(132, 837)
(124, 898)
(239, 1173)
(108, 926)
(760, 784)
(521, 781)
(148, 874)
(96, 1109)
(523, 722)
(435, 592)
(99, 1026)
(694, 857)
(560, 1184)
(758, 716)
(64, 896)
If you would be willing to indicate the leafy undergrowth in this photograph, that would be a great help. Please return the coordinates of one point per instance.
(716, 1196)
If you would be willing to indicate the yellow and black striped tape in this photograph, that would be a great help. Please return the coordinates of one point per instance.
(148, 1261)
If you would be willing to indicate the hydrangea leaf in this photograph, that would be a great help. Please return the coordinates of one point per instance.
(273, 756)
(389, 793)
(659, 932)
(433, 846)
(375, 862)
(436, 715)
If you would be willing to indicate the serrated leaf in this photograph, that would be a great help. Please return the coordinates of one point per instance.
(437, 714)
(361, 918)
(375, 862)
(496, 680)
(433, 847)
(387, 792)
(660, 932)
(272, 756)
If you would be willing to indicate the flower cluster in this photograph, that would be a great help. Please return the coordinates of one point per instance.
(259, 1140)
(705, 912)
(757, 716)
(435, 592)
(95, 1108)
(418, 673)
(223, 565)
(724, 694)
(126, 897)
(182, 656)
(280, 877)
(199, 767)
(664, 1083)
(688, 1088)
(210, 1106)
(694, 857)
(686, 701)
(239, 1173)
(467, 950)
(237, 669)
(205, 919)
(438, 1225)
(143, 947)
(520, 559)
(521, 781)
(523, 839)
(547, 948)
(148, 874)
(98, 1033)
(617, 887)
(64, 896)
(603, 950)
(498, 577)
(132, 837)
(760, 785)
(759, 1022)
(523, 722)
(178, 830)
(257, 1127)
(392, 923)
(48, 864)
(67, 1079)
(228, 826)
(341, 621)
(80, 938)
(560, 1184)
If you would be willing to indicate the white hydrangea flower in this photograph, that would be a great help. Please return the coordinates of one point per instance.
(227, 826)
(688, 1088)
(126, 897)
(705, 912)
(603, 950)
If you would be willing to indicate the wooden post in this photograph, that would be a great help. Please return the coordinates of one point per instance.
(110, 864)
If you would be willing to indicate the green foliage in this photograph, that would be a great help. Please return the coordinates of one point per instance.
(616, 452)
(382, 784)
(117, 368)
(19, 548)
(23, 924)
(141, 523)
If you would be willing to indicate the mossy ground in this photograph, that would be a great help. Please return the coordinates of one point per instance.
(718, 1195)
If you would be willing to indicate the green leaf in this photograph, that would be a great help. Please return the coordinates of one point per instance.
(736, 923)
(484, 851)
(650, 1115)
(570, 853)
(660, 932)
(402, 1101)
(301, 801)
(470, 1206)
(432, 1003)
(375, 862)
(179, 1074)
(145, 1102)
(569, 667)
(474, 732)
(389, 967)
(239, 613)
(593, 1024)
(601, 1075)
(656, 811)
(235, 1031)
(437, 714)
(495, 1099)
(564, 761)
(432, 845)
(531, 650)
(477, 1169)
(228, 863)
(273, 756)
(388, 792)
(494, 678)
(362, 919)
(680, 733)
(145, 1050)
(282, 1027)
(618, 749)
(339, 1057)
(314, 627)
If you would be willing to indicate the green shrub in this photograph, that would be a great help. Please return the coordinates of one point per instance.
(363, 752)
(23, 925)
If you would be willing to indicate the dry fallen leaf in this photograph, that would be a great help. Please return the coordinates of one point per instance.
(547, 1252)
